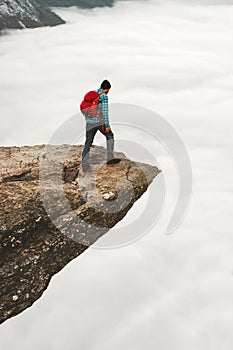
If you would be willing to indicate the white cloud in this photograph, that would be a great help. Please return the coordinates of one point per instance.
(163, 291)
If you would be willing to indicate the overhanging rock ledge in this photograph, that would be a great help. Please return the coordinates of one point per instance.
(51, 212)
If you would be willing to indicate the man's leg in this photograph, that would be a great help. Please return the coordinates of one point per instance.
(90, 134)
(110, 142)
(110, 146)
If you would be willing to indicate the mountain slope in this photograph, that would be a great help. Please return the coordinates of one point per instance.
(79, 3)
(16, 14)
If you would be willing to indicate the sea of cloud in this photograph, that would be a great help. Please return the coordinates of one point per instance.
(174, 57)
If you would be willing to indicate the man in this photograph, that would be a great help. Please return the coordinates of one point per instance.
(94, 124)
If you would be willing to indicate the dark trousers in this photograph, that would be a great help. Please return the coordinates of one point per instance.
(91, 130)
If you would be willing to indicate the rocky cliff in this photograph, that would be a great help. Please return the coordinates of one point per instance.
(51, 211)
(16, 14)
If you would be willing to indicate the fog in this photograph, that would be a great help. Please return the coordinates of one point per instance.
(175, 58)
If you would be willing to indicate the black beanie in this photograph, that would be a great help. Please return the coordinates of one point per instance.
(105, 85)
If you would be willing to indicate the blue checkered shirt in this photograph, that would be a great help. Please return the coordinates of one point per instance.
(104, 109)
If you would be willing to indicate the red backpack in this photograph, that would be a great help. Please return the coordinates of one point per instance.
(90, 105)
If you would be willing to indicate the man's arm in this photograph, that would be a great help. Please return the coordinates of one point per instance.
(104, 107)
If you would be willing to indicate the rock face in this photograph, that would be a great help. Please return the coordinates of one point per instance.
(80, 3)
(16, 14)
(51, 212)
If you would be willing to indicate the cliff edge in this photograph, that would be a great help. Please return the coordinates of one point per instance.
(51, 212)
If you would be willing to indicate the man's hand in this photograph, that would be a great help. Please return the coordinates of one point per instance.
(108, 129)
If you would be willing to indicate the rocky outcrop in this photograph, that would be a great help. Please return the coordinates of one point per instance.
(80, 3)
(51, 212)
(17, 14)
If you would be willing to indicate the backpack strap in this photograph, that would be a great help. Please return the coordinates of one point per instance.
(101, 93)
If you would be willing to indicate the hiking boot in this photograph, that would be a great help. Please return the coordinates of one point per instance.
(113, 161)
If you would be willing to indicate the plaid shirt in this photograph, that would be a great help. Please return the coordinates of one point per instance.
(104, 108)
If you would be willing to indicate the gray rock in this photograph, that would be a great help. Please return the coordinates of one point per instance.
(17, 14)
(51, 212)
